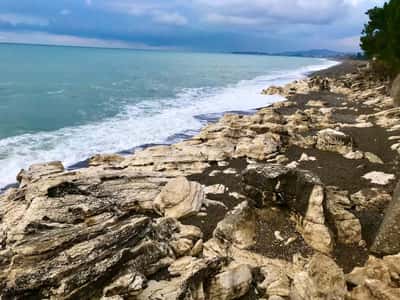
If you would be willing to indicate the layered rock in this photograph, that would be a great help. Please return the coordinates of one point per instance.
(395, 91)
(241, 210)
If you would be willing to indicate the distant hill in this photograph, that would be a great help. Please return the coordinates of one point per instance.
(318, 53)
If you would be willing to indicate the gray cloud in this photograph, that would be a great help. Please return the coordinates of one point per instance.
(262, 25)
(18, 19)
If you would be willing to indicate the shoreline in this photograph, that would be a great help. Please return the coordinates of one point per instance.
(182, 135)
(270, 202)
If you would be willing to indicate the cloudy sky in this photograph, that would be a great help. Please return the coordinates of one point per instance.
(202, 25)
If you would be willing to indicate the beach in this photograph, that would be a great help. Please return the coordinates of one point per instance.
(287, 202)
(84, 101)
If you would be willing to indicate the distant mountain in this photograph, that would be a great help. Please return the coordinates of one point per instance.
(315, 53)
(318, 53)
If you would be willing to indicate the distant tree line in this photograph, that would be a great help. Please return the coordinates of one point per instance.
(381, 36)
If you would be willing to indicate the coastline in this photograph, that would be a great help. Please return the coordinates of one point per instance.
(297, 190)
(178, 136)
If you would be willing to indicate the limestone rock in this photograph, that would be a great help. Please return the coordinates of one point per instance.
(348, 227)
(238, 227)
(378, 279)
(276, 281)
(354, 155)
(259, 147)
(215, 189)
(373, 158)
(322, 279)
(312, 226)
(395, 92)
(106, 160)
(180, 198)
(375, 199)
(379, 177)
(334, 140)
(305, 157)
(273, 90)
(233, 283)
(387, 240)
(127, 285)
(37, 171)
(190, 275)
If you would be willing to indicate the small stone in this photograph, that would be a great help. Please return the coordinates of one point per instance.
(278, 236)
(236, 195)
(223, 164)
(316, 103)
(197, 248)
(290, 240)
(214, 173)
(230, 171)
(181, 247)
(292, 165)
(215, 189)
(354, 155)
(373, 158)
(379, 177)
(305, 157)
(394, 138)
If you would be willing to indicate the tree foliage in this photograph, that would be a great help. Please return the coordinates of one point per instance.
(381, 35)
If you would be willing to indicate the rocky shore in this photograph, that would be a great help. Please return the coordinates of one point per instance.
(297, 201)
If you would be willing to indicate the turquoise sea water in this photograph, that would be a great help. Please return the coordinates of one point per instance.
(64, 103)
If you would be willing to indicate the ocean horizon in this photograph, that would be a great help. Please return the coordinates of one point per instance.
(69, 103)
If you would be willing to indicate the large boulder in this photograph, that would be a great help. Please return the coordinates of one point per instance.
(387, 240)
(180, 198)
(238, 227)
(395, 92)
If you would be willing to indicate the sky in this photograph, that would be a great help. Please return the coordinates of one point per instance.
(194, 25)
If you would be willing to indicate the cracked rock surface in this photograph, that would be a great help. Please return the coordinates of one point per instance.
(296, 201)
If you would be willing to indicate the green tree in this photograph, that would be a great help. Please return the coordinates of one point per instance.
(381, 35)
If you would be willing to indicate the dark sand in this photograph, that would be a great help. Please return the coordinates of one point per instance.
(332, 168)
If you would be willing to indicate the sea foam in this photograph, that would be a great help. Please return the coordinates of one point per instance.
(147, 122)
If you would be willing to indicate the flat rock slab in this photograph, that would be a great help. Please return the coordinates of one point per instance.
(379, 177)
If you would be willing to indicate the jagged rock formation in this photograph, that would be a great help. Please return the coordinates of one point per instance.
(281, 204)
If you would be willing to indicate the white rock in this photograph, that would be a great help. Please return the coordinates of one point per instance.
(229, 171)
(231, 284)
(179, 198)
(214, 173)
(354, 155)
(305, 157)
(215, 189)
(379, 177)
(373, 158)
(292, 165)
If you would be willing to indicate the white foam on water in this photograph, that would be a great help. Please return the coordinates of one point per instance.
(144, 123)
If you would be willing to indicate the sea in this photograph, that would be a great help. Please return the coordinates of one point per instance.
(69, 103)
